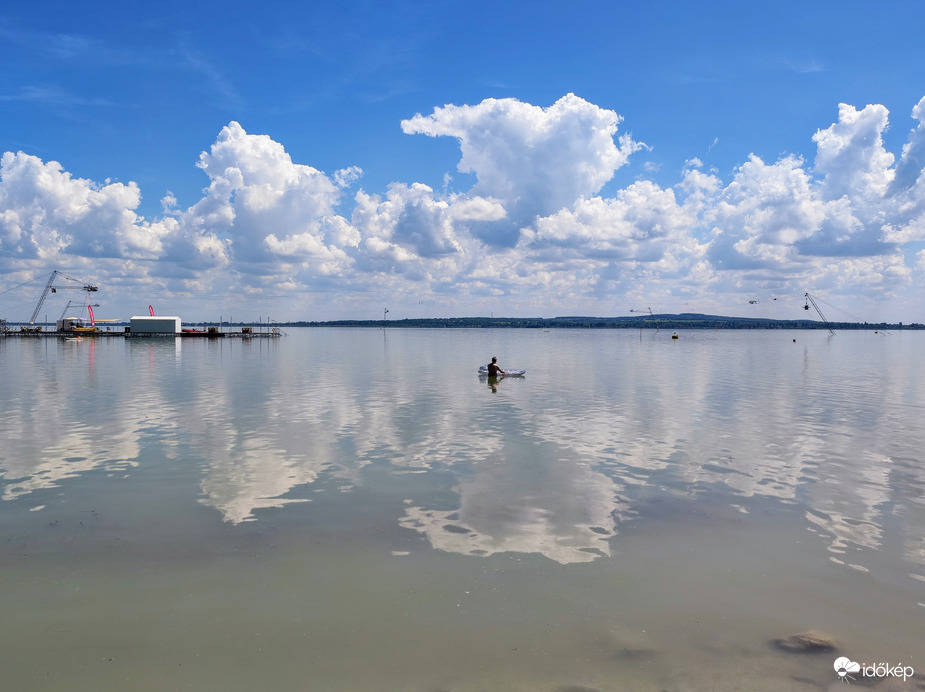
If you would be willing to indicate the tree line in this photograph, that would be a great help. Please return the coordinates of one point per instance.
(683, 321)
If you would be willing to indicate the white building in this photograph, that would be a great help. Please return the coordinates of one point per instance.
(159, 324)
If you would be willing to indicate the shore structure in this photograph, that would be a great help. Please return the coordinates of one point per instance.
(139, 326)
(147, 328)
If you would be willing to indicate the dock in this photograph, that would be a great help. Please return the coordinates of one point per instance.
(244, 333)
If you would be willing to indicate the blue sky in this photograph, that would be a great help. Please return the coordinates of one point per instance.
(452, 159)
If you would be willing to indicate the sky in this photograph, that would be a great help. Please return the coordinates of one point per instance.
(322, 161)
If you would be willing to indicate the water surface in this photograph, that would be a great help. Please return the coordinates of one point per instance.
(346, 509)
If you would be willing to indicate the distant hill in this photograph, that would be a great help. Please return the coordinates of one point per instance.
(681, 321)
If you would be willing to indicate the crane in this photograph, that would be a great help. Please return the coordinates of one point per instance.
(74, 302)
(50, 287)
(649, 312)
(810, 301)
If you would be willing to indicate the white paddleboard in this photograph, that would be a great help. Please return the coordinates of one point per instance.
(483, 370)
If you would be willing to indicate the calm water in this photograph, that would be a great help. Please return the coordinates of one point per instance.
(357, 510)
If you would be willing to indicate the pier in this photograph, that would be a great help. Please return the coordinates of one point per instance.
(210, 333)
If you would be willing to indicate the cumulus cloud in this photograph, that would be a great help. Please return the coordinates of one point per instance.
(910, 167)
(763, 213)
(535, 161)
(907, 191)
(44, 211)
(258, 195)
(534, 232)
(851, 156)
(635, 225)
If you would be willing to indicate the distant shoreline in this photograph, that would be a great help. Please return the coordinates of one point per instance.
(681, 321)
(666, 321)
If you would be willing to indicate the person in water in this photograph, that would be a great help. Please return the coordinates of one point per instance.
(494, 370)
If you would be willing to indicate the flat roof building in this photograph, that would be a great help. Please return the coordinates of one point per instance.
(160, 324)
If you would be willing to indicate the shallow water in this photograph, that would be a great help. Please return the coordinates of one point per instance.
(356, 509)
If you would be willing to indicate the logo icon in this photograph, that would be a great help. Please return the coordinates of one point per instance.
(844, 666)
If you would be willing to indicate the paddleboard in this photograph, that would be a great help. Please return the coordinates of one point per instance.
(483, 370)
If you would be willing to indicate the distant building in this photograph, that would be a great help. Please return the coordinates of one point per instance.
(160, 324)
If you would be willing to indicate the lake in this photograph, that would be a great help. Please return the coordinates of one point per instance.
(356, 509)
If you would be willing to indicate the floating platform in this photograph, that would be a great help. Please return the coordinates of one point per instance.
(197, 334)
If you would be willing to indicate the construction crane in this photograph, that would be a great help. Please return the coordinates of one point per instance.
(74, 302)
(810, 301)
(648, 311)
(54, 289)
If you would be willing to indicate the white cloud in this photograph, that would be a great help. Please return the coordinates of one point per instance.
(256, 191)
(477, 209)
(760, 216)
(535, 161)
(263, 216)
(44, 212)
(347, 176)
(635, 225)
(851, 155)
(908, 187)
(911, 164)
(534, 235)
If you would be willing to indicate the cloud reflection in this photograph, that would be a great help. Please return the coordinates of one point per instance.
(556, 507)
(526, 469)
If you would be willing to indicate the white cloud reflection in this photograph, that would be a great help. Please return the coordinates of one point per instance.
(526, 470)
(564, 511)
